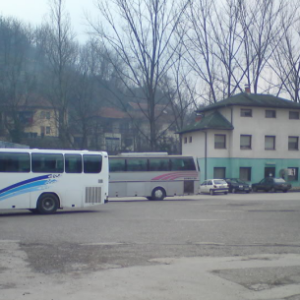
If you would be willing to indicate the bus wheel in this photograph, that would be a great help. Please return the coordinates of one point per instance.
(158, 194)
(47, 204)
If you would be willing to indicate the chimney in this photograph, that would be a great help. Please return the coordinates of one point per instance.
(198, 118)
(247, 89)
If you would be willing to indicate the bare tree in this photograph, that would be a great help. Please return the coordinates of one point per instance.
(93, 73)
(231, 43)
(16, 80)
(286, 60)
(228, 41)
(199, 47)
(143, 40)
(57, 43)
(260, 20)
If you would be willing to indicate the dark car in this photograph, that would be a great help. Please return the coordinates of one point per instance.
(271, 184)
(237, 185)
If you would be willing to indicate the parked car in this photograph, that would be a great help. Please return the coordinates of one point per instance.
(213, 186)
(237, 185)
(271, 184)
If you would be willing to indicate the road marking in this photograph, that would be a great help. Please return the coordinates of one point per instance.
(103, 244)
(199, 220)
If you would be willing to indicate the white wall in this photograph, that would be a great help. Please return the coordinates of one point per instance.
(258, 126)
(196, 147)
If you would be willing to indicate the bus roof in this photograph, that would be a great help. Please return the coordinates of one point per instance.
(143, 154)
(49, 150)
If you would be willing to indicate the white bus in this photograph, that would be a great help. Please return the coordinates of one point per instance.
(152, 175)
(46, 180)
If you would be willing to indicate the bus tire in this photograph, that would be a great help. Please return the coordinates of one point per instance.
(158, 194)
(47, 204)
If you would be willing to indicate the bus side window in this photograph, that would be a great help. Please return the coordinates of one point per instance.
(137, 164)
(159, 164)
(182, 164)
(92, 163)
(73, 163)
(47, 163)
(14, 162)
(117, 165)
(189, 164)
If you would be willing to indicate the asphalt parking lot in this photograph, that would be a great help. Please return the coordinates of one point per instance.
(241, 246)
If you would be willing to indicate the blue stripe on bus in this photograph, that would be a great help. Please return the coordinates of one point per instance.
(37, 185)
(26, 186)
(25, 182)
(20, 192)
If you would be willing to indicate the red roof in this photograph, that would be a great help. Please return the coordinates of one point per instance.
(111, 112)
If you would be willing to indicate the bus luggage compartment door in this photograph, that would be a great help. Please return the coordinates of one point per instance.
(188, 187)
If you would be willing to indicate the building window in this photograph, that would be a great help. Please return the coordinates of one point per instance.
(245, 173)
(294, 115)
(269, 142)
(219, 172)
(246, 112)
(191, 139)
(220, 141)
(270, 113)
(293, 143)
(48, 115)
(292, 174)
(48, 130)
(112, 144)
(185, 140)
(42, 131)
(245, 141)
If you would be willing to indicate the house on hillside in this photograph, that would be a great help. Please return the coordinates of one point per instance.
(115, 131)
(246, 136)
(36, 116)
(39, 119)
(164, 121)
(111, 130)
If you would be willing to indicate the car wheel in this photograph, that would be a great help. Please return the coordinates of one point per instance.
(272, 190)
(285, 191)
(233, 191)
(225, 193)
(158, 194)
(47, 204)
(212, 192)
(254, 189)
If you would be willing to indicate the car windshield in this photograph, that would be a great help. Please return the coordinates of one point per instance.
(220, 182)
(240, 181)
(236, 180)
(280, 180)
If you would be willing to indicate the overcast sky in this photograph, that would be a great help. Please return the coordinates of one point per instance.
(35, 11)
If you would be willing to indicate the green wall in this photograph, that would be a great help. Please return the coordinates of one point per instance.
(257, 166)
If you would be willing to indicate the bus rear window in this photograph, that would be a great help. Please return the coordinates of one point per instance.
(117, 165)
(92, 163)
(14, 162)
(47, 163)
(182, 164)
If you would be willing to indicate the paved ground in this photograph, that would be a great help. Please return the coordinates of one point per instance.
(267, 276)
(251, 277)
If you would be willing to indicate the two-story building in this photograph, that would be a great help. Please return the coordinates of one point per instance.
(246, 136)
